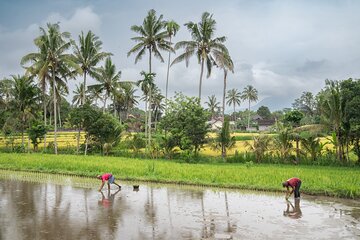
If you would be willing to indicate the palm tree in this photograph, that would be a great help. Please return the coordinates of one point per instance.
(233, 98)
(78, 95)
(171, 28)
(125, 99)
(156, 104)
(212, 104)
(202, 45)
(152, 38)
(109, 80)
(147, 85)
(55, 62)
(224, 140)
(6, 86)
(250, 93)
(26, 96)
(88, 55)
(224, 61)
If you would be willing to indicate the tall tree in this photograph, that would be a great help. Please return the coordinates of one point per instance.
(233, 98)
(212, 104)
(53, 46)
(78, 95)
(88, 55)
(223, 60)
(25, 101)
(171, 28)
(147, 85)
(109, 80)
(203, 45)
(152, 38)
(251, 94)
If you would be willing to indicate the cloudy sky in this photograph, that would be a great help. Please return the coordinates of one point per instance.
(282, 48)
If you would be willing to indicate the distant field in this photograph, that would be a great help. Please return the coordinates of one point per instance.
(68, 139)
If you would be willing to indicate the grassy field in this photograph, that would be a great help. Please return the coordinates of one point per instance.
(330, 181)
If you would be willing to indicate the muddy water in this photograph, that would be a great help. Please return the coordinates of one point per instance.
(40, 206)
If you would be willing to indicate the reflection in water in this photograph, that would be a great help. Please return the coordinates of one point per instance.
(31, 210)
(293, 211)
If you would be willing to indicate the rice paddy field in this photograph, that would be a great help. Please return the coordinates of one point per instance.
(317, 180)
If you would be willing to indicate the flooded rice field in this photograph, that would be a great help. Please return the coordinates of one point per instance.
(43, 206)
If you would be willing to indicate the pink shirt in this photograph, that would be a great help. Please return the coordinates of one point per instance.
(293, 182)
(106, 177)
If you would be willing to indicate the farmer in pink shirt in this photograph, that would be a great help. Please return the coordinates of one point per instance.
(295, 184)
(109, 178)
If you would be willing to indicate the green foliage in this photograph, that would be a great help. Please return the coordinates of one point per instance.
(36, 133)
(186, 122)
(293, 118)
(224, 140)
(264, 112)
(260, 146)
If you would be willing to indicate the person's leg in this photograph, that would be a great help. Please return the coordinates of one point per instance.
(297, 190)
(116, 184)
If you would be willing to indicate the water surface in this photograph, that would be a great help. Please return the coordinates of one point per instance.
(42, 206)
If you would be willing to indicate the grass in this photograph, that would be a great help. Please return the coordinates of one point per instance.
(330, 181)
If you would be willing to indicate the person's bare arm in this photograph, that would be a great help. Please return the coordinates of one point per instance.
(102, 185)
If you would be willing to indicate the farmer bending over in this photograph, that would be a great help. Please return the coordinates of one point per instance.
(295, 184)
(109, 178)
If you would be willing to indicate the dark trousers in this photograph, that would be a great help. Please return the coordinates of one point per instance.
(297, 190)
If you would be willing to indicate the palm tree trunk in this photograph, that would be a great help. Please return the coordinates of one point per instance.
(167, 79)
(149, 60)
(149, 118)
(224, 92)
(59, 116)
(84, 89)
(249, 116)
(78, 141)
(44, 103)
(105, 98)
(146, 103)
(201, 76)
(234, 112)
(55, 120)
(114, 107)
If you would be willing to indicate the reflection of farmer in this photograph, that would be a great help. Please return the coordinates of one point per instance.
(106, 202)
(109, 178)
(295, 213)
(295, 184)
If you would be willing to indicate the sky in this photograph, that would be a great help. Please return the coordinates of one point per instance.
(282, 48)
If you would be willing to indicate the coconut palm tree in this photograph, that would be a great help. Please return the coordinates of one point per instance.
(88, 55)
(223, 61)
(109, 80)
(125, 99)
(156, 104)
(78, 95)
(171, 28)
(250, 93)
(147, 85)
(55, 61)
(6, 86)
(233, 98)
(212, 104)
(152, 38)
(203, 45)
(25, 100)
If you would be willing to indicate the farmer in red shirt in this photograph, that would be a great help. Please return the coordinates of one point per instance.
(295, 184)
(109, 178)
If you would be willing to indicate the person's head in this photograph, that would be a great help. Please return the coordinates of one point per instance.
(98, 176)
(285, 184)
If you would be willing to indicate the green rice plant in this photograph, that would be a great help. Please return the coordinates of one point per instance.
(333, 181)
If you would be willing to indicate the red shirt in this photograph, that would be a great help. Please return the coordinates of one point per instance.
(106, 177)
(293, 181)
